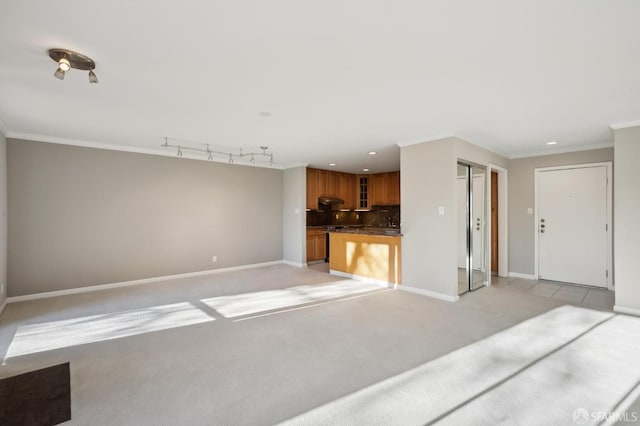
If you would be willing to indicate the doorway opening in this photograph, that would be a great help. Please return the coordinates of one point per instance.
(494, 223)
(498, 240)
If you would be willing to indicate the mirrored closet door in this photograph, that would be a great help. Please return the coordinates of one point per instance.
(471, 197)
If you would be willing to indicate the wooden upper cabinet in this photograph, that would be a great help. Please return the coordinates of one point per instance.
(380, 188)
(347, 186)
(313, 191)
(393, 188)
(384, 188)
(333, 185)
(351, 199)
(323, 184)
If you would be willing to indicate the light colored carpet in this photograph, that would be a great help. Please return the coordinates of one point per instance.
(268, 345)
(542, 371)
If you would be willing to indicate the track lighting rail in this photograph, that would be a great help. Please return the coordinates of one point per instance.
(241, 155)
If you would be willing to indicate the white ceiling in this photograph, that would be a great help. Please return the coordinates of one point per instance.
(340, 78)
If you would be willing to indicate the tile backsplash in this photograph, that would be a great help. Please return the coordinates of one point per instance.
(380, 216)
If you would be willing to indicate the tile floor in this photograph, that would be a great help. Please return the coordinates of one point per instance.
(570, 293)
(588, 297)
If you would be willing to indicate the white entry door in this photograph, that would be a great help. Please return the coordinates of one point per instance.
(572, 225)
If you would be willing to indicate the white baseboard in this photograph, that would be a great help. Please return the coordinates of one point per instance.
(428, 293)
(525, 276)
(99, 287)
(296, 264)
(625, 310)
(361, 278)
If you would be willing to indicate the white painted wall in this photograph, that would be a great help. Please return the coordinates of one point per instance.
(626, 209)
(294, 195)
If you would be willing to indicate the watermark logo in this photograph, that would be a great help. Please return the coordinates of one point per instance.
(582, 416)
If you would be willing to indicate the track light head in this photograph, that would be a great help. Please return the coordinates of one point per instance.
(59, 74)
(92, 77)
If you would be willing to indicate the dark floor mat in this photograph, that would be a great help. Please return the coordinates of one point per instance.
(41, 397)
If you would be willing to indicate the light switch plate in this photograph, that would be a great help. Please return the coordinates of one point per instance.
(441, 210)
(529, 210)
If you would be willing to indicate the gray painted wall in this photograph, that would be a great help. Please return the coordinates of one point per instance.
(84, 216)
(521, 197)
(626, 205)
(3, 218)
(294, 182)
(428, 180)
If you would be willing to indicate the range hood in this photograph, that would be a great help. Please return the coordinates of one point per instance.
(333, 202)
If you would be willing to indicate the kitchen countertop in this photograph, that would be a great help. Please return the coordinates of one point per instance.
(370, 230)
(359, 229)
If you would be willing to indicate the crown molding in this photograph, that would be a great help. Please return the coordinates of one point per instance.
(486, 148)
(294, 165)
(431, 138)
(124, 148)
(618, 126)
(452, 135)
(561, 150)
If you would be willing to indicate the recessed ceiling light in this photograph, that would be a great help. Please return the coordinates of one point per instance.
(332, 164)
(552, 143)
(365, 170)
(372, 153)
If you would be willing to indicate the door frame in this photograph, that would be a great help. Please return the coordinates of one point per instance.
(609, 169)
(503, 236)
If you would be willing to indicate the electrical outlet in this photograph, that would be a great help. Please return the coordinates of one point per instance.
(337, 216)
(214, 259)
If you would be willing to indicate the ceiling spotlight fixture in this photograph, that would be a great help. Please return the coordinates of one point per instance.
(372, 153)
(552, 143)
(64, 64)
(68, 59)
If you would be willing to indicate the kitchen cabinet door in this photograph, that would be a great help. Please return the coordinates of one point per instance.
(321, 247)
(347, 190)
(352, 193)
(333, 184)
(393, 188)
(313, 191)
(378, 189)
(311, 248)
(323, 183)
